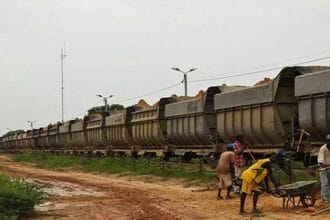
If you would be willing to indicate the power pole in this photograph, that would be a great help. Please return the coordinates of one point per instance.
(105, 100)
(105, 103)
(185, 81)
(31, 123)
(62, 79)
(185, 84)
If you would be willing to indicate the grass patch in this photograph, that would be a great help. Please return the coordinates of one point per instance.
(127, 165)
(17, 198)
(193, 173)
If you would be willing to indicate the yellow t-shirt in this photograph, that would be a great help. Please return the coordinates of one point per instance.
(255, 172)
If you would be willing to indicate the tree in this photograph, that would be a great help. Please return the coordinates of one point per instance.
(9, 133)
(101, 109)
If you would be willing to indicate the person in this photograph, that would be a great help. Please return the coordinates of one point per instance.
(239, 160)
(225, 171)
(251, 180)
(324, 162)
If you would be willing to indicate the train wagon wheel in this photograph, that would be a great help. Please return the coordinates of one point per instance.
(308, 200)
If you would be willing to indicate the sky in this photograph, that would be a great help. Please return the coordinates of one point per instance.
(126, 48)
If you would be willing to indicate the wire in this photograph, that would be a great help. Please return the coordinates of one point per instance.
(150, 93)
(217, 78)
(258, 71)
(128, 99)
(75, 115)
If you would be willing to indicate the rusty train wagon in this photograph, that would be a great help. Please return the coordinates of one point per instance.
(149, 127)
(191, 124)
(264, 114)
(78, 138)
(10, 142)
(43, 138)
(53, 137)
(2, 143)
(24, 143)
(5, 143)
(36, 135)
(29, 139)
(118, 131)
(94, 131)
(64, 133)
(313, 93)
(19, 141)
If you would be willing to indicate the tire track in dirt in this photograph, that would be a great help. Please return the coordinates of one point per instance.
(94, 196)
(118, 199)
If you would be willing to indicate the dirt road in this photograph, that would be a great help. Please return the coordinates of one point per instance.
(93, 196)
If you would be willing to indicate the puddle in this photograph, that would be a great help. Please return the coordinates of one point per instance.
(65, 188)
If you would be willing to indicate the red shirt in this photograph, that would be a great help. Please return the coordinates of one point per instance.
(239, 160)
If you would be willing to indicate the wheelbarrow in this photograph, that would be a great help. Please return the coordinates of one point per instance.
(304, 190)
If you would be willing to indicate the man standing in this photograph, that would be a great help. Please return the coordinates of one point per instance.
(225, 171)
(324, 162)
(251, 180)
(239, 160)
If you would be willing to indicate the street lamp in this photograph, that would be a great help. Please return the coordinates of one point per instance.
(105, 100)
(31, 123)
(184, 78)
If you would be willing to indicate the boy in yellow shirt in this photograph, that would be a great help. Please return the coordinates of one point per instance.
(251, 180)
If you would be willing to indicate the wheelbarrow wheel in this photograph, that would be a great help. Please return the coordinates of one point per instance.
(308, 200)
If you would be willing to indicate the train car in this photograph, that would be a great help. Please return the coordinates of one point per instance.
(265, 114)
(2, 143)
(36, 137)
(65, 141)
(10, 142)
(19, 139)
(78, 137)
(313, 93)
(118, 131)
(149, 127)
(43, 138)
(191, 123)
(13, 142)
(5, 143)
(53, 137)
(94, 131)
(29, 137)
(24, 141)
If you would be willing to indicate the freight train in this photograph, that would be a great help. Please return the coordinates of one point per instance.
(290, 112)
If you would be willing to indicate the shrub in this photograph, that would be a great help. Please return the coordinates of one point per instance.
(17, 198)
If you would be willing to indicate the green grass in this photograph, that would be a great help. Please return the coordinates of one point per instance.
(17, 198)
(192, 174)
(127, 166)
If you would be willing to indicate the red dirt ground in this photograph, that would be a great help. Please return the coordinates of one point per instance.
(79, 195)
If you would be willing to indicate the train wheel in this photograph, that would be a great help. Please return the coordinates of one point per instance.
(308, 200)
(134, 154)
(167, 156)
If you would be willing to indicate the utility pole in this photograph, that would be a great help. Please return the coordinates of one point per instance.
(185, 80)
(62, 78)
(105, 100)
(31, 123)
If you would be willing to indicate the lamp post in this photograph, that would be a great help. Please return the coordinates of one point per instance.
(31, 123)
(105, 100)
(184, 78)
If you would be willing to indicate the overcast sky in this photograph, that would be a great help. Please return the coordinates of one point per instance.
(127, 47)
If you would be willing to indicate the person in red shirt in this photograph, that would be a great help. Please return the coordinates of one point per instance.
(239, 159)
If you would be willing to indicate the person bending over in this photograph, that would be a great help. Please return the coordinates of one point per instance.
(251, 180)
